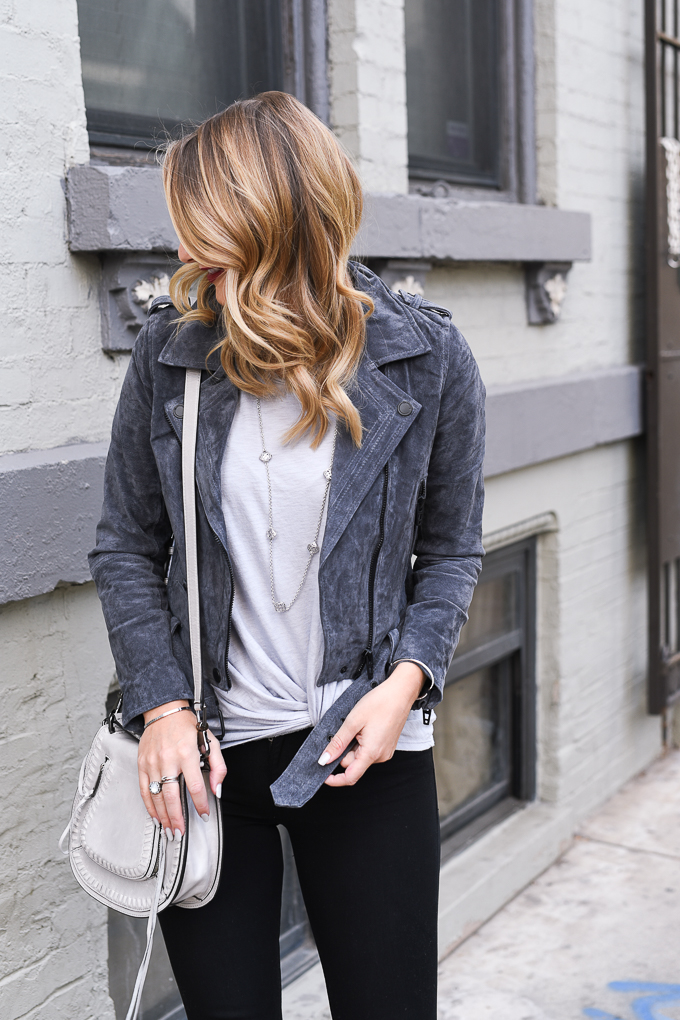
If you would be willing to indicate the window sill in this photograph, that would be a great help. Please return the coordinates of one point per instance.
(122, 208)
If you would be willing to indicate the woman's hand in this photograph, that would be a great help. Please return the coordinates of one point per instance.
(168, 748)
(376, 721)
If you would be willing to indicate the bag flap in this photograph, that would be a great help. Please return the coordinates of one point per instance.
(114, 828)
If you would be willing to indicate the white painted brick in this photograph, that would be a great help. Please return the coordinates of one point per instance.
(15, 387)
(56, 668)
(368, 88)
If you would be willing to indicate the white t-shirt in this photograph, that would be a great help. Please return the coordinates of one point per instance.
(275, 657)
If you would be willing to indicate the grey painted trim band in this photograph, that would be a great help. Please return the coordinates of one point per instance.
(50, 500)
(412, 226)
(114, 208)
(534, 422)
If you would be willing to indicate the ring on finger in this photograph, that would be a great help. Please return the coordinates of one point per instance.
(156, 787)
(171, 779)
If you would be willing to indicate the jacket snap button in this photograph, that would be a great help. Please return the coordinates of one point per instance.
(405, 408)
(343, 669)
(179, 410)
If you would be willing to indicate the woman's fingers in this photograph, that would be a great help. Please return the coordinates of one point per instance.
(355, 770)
(193, 777)
(342, 739)
(218, 769)
(172, 805)
(146, 795)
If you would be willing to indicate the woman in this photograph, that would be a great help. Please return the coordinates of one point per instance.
(340, 431)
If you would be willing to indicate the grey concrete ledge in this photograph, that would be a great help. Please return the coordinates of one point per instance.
(410, 226)
(50, 502)
(119, 208)
(529, 423)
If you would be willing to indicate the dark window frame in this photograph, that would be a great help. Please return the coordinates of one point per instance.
(517, 133)
(514, 654)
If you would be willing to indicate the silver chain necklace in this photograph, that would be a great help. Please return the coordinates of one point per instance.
(313, 546)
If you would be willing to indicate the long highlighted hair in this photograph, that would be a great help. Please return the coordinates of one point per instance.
(264, 191)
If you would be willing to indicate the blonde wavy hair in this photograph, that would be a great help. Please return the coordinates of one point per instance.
(264, 191)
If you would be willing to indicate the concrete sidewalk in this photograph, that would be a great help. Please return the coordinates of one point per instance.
(597, 935)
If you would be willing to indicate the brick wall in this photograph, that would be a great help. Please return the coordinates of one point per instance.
(56, 387)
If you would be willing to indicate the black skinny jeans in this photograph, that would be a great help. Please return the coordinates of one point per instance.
(368, 861)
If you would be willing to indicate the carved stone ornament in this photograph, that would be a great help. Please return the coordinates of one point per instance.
(130, 283)
(546, 288)
(405, 274)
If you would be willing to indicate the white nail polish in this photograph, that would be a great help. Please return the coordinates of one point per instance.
(168, 833)
(206, 818)
(178, 835)
(325, 758)
(218, 791)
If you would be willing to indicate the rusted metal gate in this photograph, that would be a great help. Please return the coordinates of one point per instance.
(662, 31)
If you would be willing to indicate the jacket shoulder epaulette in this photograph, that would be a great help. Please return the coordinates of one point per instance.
(164, 301)
(421, 303)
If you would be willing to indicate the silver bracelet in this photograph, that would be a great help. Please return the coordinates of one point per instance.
(184, 708)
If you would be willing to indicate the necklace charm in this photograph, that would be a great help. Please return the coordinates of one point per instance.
(313, 547)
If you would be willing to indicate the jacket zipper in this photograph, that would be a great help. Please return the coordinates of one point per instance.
(230, 610)
(367, 657)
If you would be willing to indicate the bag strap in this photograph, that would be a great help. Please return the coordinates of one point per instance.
(136, 1001)
(192, 389)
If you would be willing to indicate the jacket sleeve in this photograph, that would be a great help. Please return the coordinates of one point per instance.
(449, 543)
(129, 559)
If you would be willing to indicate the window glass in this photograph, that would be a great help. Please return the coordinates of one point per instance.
(151, 64)
(494, 611)
(453, 91)
(468, 739)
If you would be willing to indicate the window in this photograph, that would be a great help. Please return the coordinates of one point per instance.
(469, 85)
(151, 65)
(452, 68)
(484, 731)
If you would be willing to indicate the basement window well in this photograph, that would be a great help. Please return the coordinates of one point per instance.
(485, 725)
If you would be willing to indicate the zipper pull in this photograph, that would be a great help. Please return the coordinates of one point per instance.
(367, 661)
(427, 715)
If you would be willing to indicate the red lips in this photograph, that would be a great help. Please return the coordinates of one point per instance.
(212, 274)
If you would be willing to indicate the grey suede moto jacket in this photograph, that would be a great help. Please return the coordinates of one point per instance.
(415, 486)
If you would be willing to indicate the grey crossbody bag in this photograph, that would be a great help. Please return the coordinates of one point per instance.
(118, 853)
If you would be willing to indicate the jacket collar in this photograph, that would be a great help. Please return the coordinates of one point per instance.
(392, 332)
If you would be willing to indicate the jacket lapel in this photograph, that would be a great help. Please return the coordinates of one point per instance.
(355, 468)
